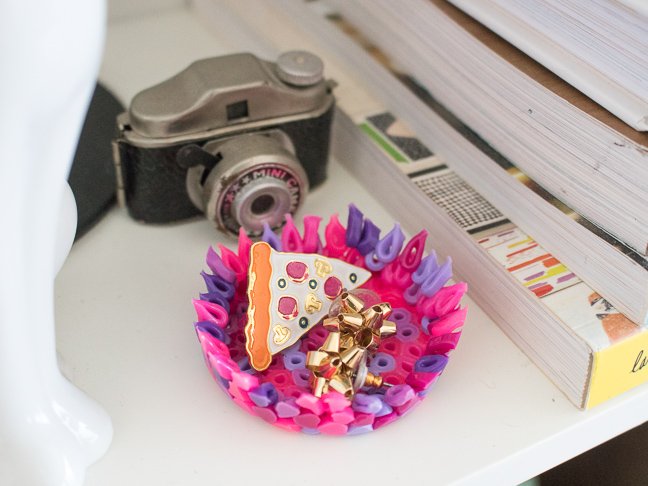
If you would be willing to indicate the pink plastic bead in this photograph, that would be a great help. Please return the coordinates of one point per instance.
(411, 256)
(244, 245)
(335, 235)
(329, 427)
(290, 238)
(208, 311)
(362, 419)
(447, 324)
(443, 302)
(307, 420)
(311, 402)
(211, 345)
(345, 416)
(407, 406)
(336, 402)
(444, 343)
(232, 261)
(287, 424)
(265, 413)
(239, 394)
(396, 275)
(421, 381)
(224, 366)
(244, 381)
(312, 242)
(384, 420)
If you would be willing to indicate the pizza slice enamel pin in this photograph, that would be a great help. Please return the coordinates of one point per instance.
(288, 294)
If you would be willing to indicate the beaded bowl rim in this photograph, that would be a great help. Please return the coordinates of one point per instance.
(407, 274)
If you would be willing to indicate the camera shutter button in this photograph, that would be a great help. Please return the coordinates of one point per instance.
(300, 68)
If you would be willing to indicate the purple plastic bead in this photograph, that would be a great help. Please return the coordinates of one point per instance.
(388, 248)
(369, 237)
(427, 267)
(412, 294)
(310, 431)
(222, 382)
(382, 363)
(216, 298)
(400, 316)
(264, 395)
(358, 430)
(407, 332)
(425, 324)
(287, 408)
(364, 403)
(215, 263)
(385, 410)
(372, 263)
(270, 237)
(301, 377)
(354, 226)
(216, 284)
(437, 280)
(244, 365)
(399, 395)
(295, 360)
(213, 329)
(431, 363)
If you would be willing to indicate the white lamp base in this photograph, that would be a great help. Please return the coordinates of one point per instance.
(50, 431)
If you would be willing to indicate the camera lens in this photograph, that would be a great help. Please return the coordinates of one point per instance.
(258, 180)
(262, 205)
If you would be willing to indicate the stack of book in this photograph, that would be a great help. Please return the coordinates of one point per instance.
(447, 150)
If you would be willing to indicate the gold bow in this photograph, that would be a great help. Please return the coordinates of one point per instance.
(341, 362)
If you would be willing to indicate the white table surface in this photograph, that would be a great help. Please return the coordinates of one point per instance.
(125, 336)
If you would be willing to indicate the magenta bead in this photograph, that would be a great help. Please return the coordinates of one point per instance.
(290, 238)
(208, 311)
(232, 261)
(311, 241)
(443, 344)
(335, 235)
(412, 254)
(244, 245)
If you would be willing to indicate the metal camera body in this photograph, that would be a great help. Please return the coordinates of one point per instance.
(235, 137)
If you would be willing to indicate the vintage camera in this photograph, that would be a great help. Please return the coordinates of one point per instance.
(235, 137)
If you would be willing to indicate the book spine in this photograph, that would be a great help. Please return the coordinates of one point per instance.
(618, 368)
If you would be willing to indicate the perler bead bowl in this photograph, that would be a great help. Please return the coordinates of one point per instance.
(426, 312)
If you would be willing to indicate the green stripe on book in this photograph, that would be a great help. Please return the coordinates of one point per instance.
(382, 142)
